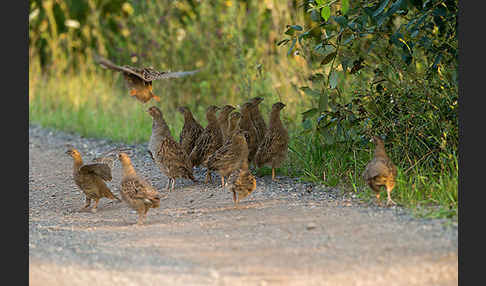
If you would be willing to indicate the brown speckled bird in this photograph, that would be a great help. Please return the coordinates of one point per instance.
(211, 139)
(246, 124)
(233, 125)
(228, 158)
(257, 118)
(274, 147)
(380, 171)
(223, 120)
(169, 156)
(135, 191)
(160, 129)
(139, 80)
(90, 178)
(244, 184)
(190, 131)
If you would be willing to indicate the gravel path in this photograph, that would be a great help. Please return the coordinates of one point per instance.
(285, 233)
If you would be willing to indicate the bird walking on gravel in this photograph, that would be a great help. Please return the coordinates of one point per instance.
(223, 119)
(190, 131)
(246, 124)
(210, 140)
(90, 178)
(244, 184)
(257, 119)
(228, 158)
(274, 147)
(139, 80)
(139, 194)
(169, 156)
(380, 171)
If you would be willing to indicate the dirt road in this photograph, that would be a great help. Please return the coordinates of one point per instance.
(285, 233)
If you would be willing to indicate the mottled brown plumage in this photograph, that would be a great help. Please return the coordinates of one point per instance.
(211, 139)
(380, 171)
(228, 158)
(168, 155)
(139, 80)
(190, 131)
(90, 178)
(257, 118)
(273, 149)
(233, 125)
(160, 129)
(223, 120)
(246, 124)
(243, 185)
(135, 191)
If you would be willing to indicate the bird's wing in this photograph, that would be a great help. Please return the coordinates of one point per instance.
(150, 74)
(109, 64)
(100, 169)
(375, 168)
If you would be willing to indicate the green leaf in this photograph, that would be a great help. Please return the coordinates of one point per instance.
(333, 79)
(344, 6)
(292, 46)
(323, 101)
(296, 27)
(380, 8)
(309, 113)
(326, 13)
(307, 90)
(341, 21)
(320, 2)
(328, 58)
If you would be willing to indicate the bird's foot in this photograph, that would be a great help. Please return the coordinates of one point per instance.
(94, 210)
(390, 202)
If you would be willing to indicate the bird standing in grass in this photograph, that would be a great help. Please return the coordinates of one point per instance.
(90, 178)
(139, 80)
(169, 156)
(274, 147)
(135, 191)
(380, 171)
(190, 131)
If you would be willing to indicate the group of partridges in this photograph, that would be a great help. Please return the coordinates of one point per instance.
(230, 143)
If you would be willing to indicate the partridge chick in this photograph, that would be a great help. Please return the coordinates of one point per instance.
(90, 178)
(223, 120)
(246, 124)
(135, 191)
(257, 119)
(380, 171)
(244, 184)
(211, 139)
(273, 149)
(190, 131)
(228, 158)
(139, 80)
(169, 156)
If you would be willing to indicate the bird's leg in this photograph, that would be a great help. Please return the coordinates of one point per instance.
(88, 203)
(273, 174)
(94, 209)
(168, 185)
(209, 177)
(157, 98)
(173, 183)
(140, 216)
(222, 182)
(389, 200)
